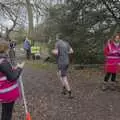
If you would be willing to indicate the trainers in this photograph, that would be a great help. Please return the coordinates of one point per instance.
(105, 86)
(113, 86)
(70, 95)
(64, 91)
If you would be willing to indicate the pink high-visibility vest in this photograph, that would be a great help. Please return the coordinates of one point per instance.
(112, 61)
(9, 90)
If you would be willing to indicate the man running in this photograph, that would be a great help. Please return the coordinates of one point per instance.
(62, 51)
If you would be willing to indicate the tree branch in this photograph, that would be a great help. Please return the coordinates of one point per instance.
(111, 11)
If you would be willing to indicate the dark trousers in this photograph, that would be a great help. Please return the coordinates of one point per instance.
(7, 109)
(28, 53)
(108, 75)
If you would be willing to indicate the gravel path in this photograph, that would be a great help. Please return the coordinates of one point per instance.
(46, 102)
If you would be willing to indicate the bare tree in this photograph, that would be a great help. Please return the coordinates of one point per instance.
(113, 8)
(11, 10)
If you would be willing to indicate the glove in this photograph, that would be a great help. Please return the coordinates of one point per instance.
(21, 65)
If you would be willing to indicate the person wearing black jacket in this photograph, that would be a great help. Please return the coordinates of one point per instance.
(8, 82)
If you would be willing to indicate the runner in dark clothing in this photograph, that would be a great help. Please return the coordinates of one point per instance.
(62, 51)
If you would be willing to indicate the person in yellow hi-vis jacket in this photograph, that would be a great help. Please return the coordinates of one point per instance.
(35, 51)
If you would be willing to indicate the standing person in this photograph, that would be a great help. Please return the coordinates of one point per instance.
(62, 51)
(112, 61)
(12, 45)
(9, 87)
(27, 47)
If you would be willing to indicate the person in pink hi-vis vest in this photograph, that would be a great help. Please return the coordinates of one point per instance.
(9, 86)
(112, 61)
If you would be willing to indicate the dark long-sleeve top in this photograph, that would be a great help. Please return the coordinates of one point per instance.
(11, 74)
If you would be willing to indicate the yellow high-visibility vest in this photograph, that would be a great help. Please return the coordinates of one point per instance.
(35, 49)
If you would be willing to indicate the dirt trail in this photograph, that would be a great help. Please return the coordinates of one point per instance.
(46, 102)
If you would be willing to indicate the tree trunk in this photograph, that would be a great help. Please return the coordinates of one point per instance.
(30, 17)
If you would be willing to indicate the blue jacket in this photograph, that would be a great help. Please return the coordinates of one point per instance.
(27, 45)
